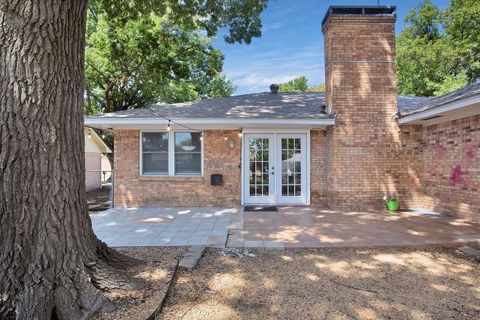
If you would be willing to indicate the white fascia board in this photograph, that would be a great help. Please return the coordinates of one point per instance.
(204, 123)
(448, 107)
(97, 140)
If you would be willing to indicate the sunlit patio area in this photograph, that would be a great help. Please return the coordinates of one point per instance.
(291, 227)
(310, 227)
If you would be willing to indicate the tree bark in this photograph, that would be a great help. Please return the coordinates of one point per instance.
(51, 263)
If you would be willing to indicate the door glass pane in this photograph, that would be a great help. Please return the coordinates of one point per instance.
(259, 177)
(291, 167)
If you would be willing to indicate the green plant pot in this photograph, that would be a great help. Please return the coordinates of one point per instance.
(393, 204)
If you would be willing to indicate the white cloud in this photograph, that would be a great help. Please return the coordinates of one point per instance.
(255, 82)
(272, 26)
(258, 71)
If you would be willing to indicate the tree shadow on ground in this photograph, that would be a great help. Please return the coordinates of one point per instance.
(329, 284)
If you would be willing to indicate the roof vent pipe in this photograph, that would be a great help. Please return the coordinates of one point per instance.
(274, 88)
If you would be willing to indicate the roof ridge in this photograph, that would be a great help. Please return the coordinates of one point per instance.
(160, 104)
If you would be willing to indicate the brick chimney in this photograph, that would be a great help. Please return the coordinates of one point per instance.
(361, 90)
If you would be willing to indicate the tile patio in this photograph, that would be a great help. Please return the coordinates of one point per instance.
(163, 226)
(309, 227)
(291, 227)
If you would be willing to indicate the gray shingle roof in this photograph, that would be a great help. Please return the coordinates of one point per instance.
(264, 105)
(422, 104)
(304, 105)
(307, 105)
(410, 103)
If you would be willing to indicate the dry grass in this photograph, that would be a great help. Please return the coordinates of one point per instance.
(139, 304)
(329, 284)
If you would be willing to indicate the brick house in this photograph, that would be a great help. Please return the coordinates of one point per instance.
(347, 148)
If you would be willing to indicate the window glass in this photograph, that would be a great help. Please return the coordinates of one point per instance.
(155, 141)
(188, 153)
(155, 163)
(155, 153)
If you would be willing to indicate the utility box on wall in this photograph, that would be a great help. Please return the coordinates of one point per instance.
(216, 179)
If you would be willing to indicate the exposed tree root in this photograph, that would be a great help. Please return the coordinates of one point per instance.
(114, 258)
(76, 291)
(106, 278)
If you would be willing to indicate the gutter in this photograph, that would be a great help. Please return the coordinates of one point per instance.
(203, 123)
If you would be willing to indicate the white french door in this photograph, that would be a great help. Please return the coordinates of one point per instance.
(291, 175)
(259, 168)
(275, 168)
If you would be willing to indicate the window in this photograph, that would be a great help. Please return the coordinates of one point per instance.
(188, 153)
(155, 153)
(171, 153)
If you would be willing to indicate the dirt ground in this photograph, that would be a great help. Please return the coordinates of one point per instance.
(157, 272)
(329, 284)
(98, 200)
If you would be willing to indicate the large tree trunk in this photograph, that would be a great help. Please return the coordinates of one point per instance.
(51, 263)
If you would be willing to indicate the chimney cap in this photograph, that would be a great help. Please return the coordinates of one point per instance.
(274, 88)
(360, 11)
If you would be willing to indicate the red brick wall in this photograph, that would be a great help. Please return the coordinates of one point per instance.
(451, 167)
(409, 189)
(318, 168)
(365, 142)
(133, 190)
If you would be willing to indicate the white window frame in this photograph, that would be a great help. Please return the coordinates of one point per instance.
(171, 154)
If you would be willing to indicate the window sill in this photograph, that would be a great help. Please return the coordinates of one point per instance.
(172, 178)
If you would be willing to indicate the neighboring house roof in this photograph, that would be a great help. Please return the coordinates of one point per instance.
(93, 142)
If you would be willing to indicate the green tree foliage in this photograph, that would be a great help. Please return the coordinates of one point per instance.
(462, 25)
(439, 51)
(300, 84)
(423, 22)
(141, 52)
(318, 88)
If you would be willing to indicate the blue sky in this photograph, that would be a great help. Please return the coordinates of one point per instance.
(291, 44)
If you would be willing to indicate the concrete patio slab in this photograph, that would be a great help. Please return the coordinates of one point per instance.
(162, 226)
(312, 227)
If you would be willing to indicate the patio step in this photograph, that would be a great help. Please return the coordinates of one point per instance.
(471, 252)
(191, 258)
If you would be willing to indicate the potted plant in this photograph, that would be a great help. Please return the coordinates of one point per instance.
(392, 203)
